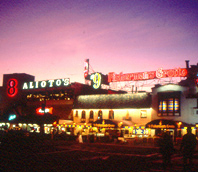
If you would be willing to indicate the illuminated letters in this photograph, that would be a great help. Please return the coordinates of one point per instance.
(31, 85)
(65, 82)
(43, 84)
(51, 82)
(12, 88)
(160, 73)
(46, 84)
(25, 86)
(36, 84)
(58, 82)
(96, 79)
(41, 111)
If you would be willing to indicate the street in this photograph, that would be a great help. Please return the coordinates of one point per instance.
(72, 156)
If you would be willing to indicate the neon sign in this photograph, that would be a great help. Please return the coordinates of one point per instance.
(160, 73)
(160, 126)
(40, 111)
(96, 80)
(104, 125)
(86, 68)
(11, 117)
(45, 84)
(12, 88)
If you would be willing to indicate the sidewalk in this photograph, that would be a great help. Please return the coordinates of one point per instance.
(125, 144)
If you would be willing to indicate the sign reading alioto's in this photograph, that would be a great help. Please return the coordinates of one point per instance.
(46, 84)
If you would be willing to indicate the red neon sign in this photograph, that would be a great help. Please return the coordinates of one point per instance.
(40, 111)
(12, 88)
(86, 68)
(160, 73)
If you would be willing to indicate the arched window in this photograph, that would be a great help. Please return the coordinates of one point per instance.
(76, 114)
(91, 116)
(99, 114)
(83, 116)
(111, 114)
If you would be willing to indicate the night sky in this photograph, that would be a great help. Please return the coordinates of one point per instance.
(50, 39)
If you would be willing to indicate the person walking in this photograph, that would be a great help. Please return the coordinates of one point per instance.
(166, 149)
(188, 146)
(80, 139)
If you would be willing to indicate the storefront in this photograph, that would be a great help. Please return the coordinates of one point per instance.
(120, 115)
(40, 106)
(58, 105)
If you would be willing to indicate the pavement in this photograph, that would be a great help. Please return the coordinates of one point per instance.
(150, 153)
(56, 155)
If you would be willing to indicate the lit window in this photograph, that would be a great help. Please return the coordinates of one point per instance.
(164, 106)
(160, 106)
(143, 114)
(169, 104)
(111, 114)
(83, 115)
(99, 114)
(176, 105)
(91, 116)
(76, 114)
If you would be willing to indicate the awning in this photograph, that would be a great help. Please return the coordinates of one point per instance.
(165, 124)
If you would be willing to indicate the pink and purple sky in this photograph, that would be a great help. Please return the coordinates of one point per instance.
(50, 39)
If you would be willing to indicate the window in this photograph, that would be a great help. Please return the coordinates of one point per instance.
(111, 114)
(83, 116)
(196, 111)
(91, 116)
(143, 114)
(76, 114)
(99, 114)
(169, 104)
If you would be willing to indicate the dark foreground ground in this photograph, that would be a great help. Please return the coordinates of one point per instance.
(45, 155)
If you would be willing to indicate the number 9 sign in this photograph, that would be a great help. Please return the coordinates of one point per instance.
(96, 78)
(12, 89)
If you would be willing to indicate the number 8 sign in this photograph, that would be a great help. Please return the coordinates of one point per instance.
(12, 88)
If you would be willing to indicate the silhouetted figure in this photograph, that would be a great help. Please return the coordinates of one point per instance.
(166, 149)
(80, 139)
(188, 146)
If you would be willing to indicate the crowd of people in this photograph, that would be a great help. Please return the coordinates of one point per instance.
(187, 148)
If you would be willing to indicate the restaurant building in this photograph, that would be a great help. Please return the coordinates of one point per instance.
(126, 113)
(39, 106)
(172, 107)
(72, 108)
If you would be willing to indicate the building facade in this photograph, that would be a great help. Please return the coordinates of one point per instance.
(43, 106)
